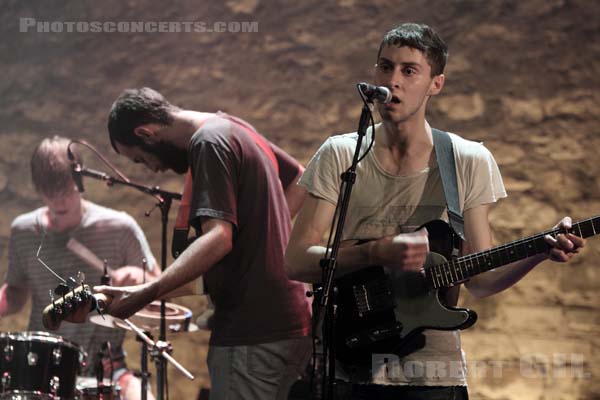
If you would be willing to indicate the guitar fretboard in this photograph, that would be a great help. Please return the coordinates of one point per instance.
(462, 268)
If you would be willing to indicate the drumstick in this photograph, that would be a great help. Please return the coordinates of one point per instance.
(86, 255)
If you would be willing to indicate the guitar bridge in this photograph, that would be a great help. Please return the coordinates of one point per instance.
(373, 296)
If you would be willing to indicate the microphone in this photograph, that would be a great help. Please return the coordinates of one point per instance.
(75, 171)
(372, 92)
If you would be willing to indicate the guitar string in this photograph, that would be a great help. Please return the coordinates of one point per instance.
(450, 266)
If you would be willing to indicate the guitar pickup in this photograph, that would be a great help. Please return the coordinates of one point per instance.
(376, 334)
(385, 331)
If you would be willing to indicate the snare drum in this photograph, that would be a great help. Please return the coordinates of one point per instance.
(38, 365)
(88, 389)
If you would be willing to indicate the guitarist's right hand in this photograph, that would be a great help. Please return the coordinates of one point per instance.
(406, 251)
(127, 300)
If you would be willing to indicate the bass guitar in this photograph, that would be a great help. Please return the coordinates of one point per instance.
(70, 304)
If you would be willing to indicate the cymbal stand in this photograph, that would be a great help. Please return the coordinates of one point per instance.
(160, 348)
(164, 201)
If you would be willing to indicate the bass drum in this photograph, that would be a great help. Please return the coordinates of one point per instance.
(38, 366)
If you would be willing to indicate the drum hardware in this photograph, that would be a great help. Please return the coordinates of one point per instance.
(89, 388)
(32, 359)
(23, 395)
(7, 352)
(82, 357)
(6, 379)
(161, 348)
(56, 356)
(54, 385)
(38, 366)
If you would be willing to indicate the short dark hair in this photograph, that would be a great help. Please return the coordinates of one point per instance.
(133, 108)
(51, 167)
(420, 37)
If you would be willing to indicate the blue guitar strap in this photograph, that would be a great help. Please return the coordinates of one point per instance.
(444, 152)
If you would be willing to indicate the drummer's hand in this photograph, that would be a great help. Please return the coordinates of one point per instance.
(128, 275)
(127, 300)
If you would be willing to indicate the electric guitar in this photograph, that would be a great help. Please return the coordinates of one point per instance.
(378, 314)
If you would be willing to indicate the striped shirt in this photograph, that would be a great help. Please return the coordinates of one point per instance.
(111, 235)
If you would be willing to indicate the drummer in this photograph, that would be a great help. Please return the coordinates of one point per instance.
(48, 235)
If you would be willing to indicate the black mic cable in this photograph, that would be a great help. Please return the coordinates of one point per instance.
(75, 169)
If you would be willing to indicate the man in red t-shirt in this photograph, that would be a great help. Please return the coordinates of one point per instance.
(244, 196)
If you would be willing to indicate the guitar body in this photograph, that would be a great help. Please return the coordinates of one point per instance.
(378, 313)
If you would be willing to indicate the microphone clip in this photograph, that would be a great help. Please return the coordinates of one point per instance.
(372, 93)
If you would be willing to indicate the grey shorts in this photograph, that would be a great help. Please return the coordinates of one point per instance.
(263, 371)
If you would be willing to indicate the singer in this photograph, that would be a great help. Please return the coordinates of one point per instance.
(398, 188)
(111, 235)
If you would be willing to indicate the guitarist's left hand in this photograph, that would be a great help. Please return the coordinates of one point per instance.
(565, 245)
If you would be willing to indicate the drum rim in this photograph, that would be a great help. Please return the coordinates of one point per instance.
(116, 389)
(82, 381)
(29, 392)
(40, 336)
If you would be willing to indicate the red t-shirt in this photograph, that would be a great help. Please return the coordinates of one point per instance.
(234, 180)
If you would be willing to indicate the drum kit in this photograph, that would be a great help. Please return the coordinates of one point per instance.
(43, 366)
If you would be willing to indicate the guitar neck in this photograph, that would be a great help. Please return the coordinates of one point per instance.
(462, 268)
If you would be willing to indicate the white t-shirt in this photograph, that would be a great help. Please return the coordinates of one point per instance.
(386, 204)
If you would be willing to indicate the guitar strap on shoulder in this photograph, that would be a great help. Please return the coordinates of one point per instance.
(444, 153)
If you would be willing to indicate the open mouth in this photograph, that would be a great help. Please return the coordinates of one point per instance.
(395, 100)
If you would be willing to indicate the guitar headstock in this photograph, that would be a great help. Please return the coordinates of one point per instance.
(68, 306)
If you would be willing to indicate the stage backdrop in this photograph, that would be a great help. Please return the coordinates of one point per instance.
(522, 77)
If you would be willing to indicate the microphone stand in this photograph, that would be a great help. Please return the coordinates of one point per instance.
(164, 200)
(144, 349)
(326, 311)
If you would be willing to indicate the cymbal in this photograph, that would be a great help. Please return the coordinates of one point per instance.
(178, 319)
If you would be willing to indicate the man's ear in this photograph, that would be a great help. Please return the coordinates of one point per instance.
(437, 83)
(147, 133)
